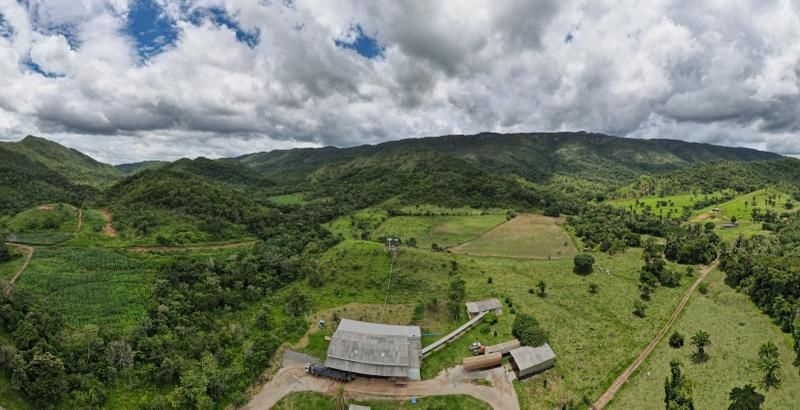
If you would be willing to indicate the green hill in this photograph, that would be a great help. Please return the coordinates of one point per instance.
(538, 157)
(135, 167)
(77, 167)
(25, 183)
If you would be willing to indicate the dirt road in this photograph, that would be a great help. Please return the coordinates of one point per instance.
(292, 378)
(28, 251)
(80, 221)
(622, 378)
(108, 229)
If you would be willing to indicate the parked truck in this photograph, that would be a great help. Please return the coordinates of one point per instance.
(322, 371)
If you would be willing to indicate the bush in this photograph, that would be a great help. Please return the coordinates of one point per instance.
(703, 288)
(584, 264)
(527, 329)
(639, 308)
(490, 318)
(593, 288)
(676, 340)
(553, 211)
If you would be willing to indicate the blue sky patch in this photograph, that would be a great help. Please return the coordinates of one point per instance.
(152, 29)
(363, 44)
(37, 69)
(221, 18)
(5, 29)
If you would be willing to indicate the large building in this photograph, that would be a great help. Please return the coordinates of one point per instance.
(528, 361)
(374, 349)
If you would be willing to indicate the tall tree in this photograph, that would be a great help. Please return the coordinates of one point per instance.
(455, 297)
(769, 364)
(677, 389)
(745, 398)
(700, 340)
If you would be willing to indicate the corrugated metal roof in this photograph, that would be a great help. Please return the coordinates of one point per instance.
(526, 357)
(375, 349)
(483, 305)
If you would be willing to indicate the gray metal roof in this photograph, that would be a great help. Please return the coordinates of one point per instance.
(483, 305)
(526, 357)
(375, 349)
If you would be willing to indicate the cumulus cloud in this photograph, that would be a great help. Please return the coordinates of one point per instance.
(227, 77)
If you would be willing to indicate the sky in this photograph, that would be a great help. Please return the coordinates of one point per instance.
(129, 80)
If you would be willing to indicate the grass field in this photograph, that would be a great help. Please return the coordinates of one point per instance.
(594, 336)
(91, 233)
(309, 400)
(737, 328)
(445, 231)
(526, 236)
(91, 285)
(50, 217)
(656, 204)
(289, 199)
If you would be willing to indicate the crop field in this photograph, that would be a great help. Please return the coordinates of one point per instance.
(91, 285)
(91, 233)
(736, 328)
(594, 336)
(310, 400)
(444, 231)
(526, 236)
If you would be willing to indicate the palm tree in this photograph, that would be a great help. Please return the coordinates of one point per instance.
(769, 364)
(339, 400)
(700, 340)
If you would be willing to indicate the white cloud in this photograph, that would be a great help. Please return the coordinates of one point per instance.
(723, 72)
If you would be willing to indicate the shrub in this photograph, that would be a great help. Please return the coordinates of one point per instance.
(639, 308)
(703, 288)
(676, 340)
(490, 280)
(593, 288)
(527, 329)
(584, 264)
(490, 318)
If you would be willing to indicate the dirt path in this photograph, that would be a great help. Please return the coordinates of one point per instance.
(28, 250)
(108, 229)
(142, 249)
(292, 378)
(80, 221)
(622, 378)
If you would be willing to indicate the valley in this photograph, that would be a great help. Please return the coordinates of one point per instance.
(186, 284)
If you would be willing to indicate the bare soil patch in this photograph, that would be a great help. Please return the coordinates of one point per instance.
(109, 229)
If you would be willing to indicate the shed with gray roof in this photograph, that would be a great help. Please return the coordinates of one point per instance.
(528, 360)
(375, 349)
(480, 306)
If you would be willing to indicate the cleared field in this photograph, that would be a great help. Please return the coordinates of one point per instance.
(289, 199)
(309, 400)
(526, 236)
(594, 336)
(445, 231)
(44, 225)
(91, 285)
(742, 207)
(737, 328)
(664, 205)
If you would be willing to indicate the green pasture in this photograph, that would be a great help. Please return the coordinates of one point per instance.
(445, 231)
(594, 336)
(737, 328)
(526, 236)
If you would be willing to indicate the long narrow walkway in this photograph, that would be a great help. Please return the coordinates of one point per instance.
(622, 378)
(452, 335)
(28, 250)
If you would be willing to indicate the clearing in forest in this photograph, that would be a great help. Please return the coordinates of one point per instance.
(526, 236)
(47, 224)
(444, 231)
(736, 328)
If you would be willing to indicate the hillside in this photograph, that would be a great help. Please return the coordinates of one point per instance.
(538, 157)
(77, 167)
(135, 167)
(25, 182)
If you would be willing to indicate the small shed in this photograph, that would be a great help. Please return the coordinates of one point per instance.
(528, 361)
(503, 348)
(480, 306)
(483, 361)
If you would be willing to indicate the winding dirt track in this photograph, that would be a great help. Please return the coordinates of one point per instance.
(80, 221)
(28, 251)
(622, 378)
